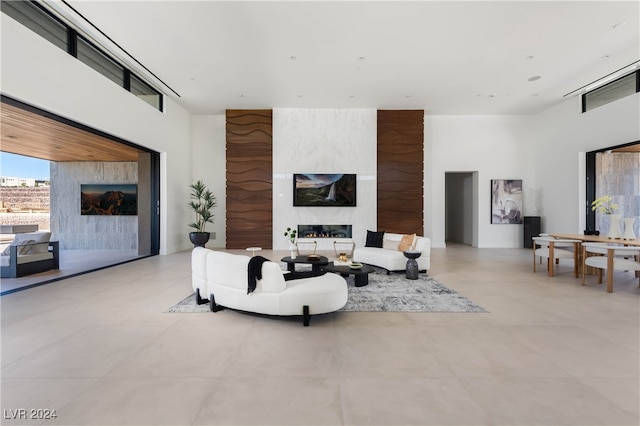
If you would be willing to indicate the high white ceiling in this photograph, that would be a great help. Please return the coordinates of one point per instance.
(447, 57)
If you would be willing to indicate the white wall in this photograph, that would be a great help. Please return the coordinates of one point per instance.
(208, 137)
(324, 141)
(38, 73)
(493, 146)
(559, 135)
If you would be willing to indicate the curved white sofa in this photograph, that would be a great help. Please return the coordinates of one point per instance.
(223, 279)
(392, 259)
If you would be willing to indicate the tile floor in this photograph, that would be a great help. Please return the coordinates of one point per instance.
(100, 349)
(72, 262)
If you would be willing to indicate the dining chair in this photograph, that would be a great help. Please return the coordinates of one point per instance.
(611, 257)
(554, 249)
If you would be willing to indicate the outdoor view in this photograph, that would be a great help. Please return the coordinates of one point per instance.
(24, 194)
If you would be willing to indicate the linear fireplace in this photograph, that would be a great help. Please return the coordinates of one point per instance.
(324, 231)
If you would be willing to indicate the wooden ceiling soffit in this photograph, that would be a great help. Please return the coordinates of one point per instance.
(30, 134)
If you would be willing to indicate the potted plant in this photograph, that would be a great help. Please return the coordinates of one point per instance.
(202, 202)
(606, 206)
(290, 234)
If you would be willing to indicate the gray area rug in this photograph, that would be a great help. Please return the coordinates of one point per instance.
(385, 293)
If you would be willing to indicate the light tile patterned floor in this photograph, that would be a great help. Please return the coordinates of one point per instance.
(99, 350)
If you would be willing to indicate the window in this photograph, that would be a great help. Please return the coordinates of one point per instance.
(617, 89)
(145, 92)
(39, 20)
(92, 56)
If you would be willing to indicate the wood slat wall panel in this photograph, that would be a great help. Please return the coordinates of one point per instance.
(401, 171)
(249, 179)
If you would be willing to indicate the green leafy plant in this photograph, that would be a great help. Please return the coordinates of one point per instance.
(202, 202)
(604, 205)
(291, 234)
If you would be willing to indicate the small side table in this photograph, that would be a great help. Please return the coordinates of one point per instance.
(253, 250)
(412, 265)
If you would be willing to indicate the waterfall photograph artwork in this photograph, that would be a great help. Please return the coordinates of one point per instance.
(324, 190)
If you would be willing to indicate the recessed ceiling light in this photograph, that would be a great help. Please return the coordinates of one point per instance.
(619, 24)
(300, 96)
(292, 58)
(361, 58)
(529, 57)
(534, 78)
(352, 96)
(493, 95)
(407, 96)
(241, 95)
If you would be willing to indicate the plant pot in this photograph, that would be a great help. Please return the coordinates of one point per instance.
(199, 239)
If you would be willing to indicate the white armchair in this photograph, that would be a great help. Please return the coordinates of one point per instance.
(610, 257)
(554, 249)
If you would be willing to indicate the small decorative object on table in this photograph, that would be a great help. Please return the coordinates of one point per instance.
(291, 235)
(629, 233)
(604, 205)
(412, 264)
(342, 260)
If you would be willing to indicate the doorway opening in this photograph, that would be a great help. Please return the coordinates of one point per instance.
(461, 208)
(79, 155)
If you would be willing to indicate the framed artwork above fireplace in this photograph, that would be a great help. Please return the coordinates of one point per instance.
(324, 190)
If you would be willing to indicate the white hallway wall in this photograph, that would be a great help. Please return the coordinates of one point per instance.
(38, 73)
(494, 146)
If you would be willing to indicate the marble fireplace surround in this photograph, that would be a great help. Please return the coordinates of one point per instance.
(324, 141)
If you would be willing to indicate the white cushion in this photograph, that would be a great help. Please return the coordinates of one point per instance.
(30, 238)
(40, 237)
(199, 270)
(6, 260)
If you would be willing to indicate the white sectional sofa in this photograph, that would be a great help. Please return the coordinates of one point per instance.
(223, 279)
(390, 257)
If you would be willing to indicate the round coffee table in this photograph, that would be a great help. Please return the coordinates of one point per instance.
(360, 275)
(316, 263)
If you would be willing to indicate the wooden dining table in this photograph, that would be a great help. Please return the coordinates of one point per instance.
(595, 239)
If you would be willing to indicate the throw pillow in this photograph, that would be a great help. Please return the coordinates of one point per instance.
(18, 240)
(390, 244)
(374, 239)
(406, 242)
(24, 249)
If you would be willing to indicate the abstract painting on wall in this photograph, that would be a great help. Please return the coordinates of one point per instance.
(109, 200)
(506, 201)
